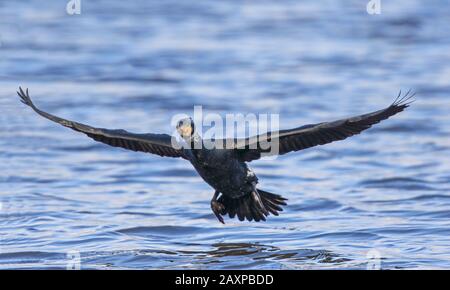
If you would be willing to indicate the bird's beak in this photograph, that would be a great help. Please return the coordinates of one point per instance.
(185, 131)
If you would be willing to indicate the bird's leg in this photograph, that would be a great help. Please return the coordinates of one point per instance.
(257, 199)
(217, 207)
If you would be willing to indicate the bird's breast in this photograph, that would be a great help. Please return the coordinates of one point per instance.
(224, 172)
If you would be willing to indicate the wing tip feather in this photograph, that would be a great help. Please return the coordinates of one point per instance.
(25, 97)
(404, 101)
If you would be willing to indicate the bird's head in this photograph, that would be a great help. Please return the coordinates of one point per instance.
(186, 128)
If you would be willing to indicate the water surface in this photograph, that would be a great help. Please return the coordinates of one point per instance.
(120, 65)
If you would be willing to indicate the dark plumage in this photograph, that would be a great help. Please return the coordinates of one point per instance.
(225, 169)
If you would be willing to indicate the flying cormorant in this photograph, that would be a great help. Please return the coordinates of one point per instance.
(225, 169)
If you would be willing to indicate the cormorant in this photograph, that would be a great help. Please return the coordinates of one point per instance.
(225, 169)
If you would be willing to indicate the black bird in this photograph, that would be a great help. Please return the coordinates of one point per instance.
(224, 168)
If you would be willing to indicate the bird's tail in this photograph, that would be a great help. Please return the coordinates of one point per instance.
(255, 206)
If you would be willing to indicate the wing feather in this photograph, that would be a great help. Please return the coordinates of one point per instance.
(249, 149)
(160, 144)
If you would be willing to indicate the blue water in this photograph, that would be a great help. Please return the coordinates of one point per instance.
(133, 65)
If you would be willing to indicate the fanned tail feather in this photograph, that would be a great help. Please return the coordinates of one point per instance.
(247, 207)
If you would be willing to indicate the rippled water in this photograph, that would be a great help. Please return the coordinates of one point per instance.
(120, 65)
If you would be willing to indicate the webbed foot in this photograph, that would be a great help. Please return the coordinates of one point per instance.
(217, 207)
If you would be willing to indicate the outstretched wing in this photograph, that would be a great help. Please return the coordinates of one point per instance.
(160, 144)
(314, 134)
